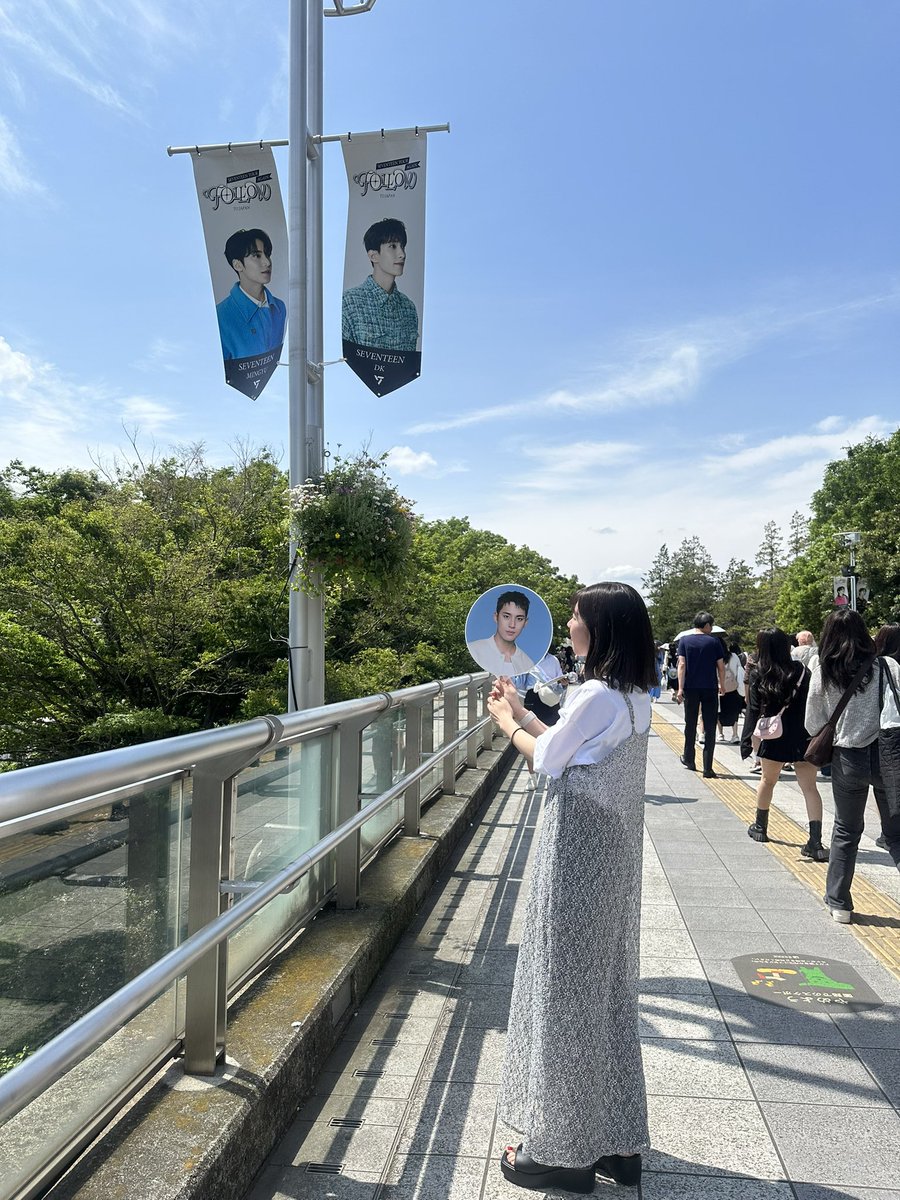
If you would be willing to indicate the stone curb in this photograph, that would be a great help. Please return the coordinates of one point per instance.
(185, 1138)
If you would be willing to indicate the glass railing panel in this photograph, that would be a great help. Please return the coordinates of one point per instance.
(432, 740)
(86, 904)
(285, 805)
(383, 764)
(462, 708)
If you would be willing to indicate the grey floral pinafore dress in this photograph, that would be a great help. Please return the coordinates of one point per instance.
(573, 1081)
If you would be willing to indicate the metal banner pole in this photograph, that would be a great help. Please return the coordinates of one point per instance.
(316, 391)
(306, 634)
(298, 619)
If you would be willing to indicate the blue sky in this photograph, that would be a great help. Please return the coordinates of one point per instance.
(662, 282)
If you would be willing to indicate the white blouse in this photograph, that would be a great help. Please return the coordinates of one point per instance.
(593, 720)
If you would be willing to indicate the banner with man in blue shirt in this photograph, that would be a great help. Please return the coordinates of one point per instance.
(381, 321)
(246, 243)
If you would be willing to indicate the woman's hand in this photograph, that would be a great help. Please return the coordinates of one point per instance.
(505, 689)
(502, 714)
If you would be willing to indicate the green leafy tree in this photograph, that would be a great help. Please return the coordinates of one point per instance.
(137, 606)
(423, 622)
(679, 584)
(744, 606)
(798, 535)
(859, 492)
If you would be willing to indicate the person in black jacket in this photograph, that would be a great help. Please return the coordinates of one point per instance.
(780, 684)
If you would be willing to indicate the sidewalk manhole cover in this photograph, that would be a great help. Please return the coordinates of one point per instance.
(805, 982)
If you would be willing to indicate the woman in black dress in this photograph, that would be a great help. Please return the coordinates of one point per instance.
(780, 684)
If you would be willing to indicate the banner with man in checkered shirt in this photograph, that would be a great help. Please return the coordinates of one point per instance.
(381, 321)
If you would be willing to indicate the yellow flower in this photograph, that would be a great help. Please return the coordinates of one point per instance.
(337, 535)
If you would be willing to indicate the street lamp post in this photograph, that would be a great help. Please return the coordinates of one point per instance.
(306, 638)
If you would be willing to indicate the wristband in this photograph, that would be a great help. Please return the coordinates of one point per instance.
(527, 719)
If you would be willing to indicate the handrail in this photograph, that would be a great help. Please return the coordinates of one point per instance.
(52, 786)
(37, 789)
(31, 1078)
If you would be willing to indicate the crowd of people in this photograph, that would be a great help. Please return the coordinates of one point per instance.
(789, 689)
(573, 1082)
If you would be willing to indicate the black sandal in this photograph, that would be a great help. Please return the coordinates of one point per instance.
(624, 1169)
(530, 1174)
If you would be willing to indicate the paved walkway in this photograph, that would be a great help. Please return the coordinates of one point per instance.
(749, 1099)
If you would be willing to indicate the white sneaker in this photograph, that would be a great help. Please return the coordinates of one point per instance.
(841, 915)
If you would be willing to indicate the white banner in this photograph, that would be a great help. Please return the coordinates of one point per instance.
(384, 262)
(247, 247)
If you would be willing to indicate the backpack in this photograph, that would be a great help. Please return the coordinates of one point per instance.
(730, 678)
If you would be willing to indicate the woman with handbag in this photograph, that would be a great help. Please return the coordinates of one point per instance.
(845, 697)
(573, 1082)
(774, 729)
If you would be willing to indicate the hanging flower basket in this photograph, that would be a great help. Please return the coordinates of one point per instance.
(350, 522)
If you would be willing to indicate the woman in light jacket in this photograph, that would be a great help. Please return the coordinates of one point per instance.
(846, 644)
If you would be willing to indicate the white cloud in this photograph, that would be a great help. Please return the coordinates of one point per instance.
(569, 466)
(663, 377)
(664, 367)
(148, 415)
(85, 42)
(16, 177)
(612, 524)
(792, 451)
(48, 420)
(406, 461)
(163, 355)
(827, 424)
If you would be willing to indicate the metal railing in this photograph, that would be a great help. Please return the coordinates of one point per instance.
(335, 744)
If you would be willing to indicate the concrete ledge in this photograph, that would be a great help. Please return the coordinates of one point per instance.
(192, 1139)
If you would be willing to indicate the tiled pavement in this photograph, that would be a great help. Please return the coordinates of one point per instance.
(748, 1100)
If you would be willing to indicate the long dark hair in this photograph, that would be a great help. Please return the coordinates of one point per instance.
(887, 641)
(622, 651)
(845, 645)
(776, 671)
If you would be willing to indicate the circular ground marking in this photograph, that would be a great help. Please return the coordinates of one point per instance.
(805, 982)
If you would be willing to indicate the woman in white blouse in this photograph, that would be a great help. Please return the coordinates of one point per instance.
(573, 1081)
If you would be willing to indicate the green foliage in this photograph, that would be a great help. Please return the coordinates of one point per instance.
(378, 669)
(351, 522)
(449, 566)
(679, 585)
(140, 606)
(8, 1061)
(154, 601)
(862, 492)
(744, 605)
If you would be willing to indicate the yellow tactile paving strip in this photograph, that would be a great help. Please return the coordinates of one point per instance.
(876, 919)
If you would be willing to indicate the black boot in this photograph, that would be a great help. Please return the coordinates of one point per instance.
(814, 848)
(759, 830)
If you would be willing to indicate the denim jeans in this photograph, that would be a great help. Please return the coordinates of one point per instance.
(853, 771)
(696, 701)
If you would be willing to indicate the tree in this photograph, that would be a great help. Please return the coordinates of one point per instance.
(798, 535)
(153, 601)
(679, 585)
(744, 607)
(860, 492)
(423, 622)
(770, 555)
(139, 606)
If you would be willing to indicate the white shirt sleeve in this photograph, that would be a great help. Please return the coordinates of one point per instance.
(586, 716)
